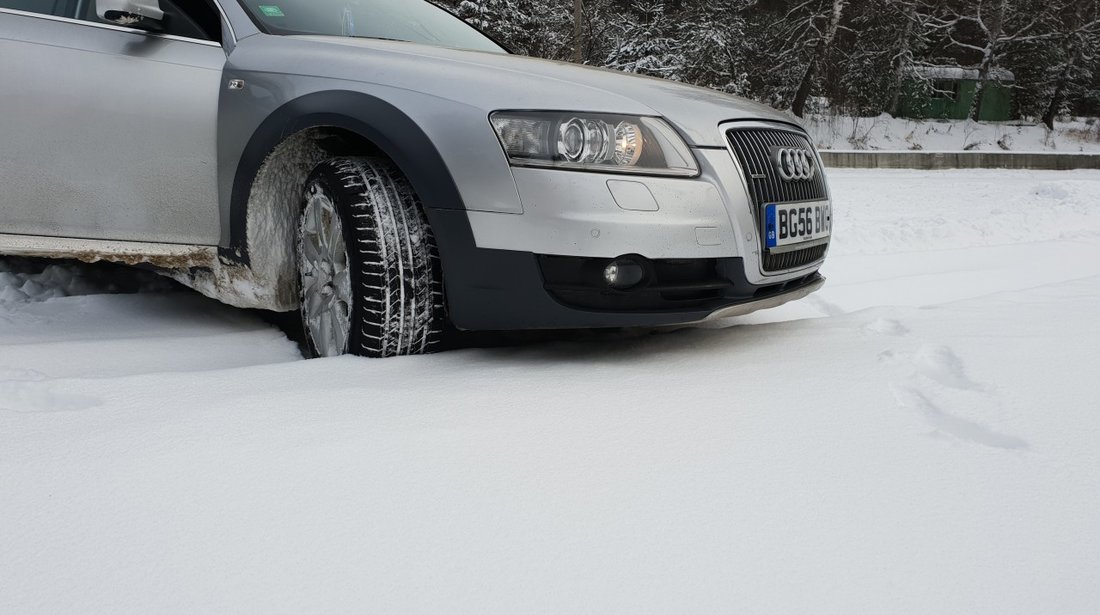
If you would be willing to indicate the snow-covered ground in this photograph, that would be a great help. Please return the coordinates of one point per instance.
(897, 134)
(920, 437)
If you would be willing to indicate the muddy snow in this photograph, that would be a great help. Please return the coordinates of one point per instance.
(919, 437)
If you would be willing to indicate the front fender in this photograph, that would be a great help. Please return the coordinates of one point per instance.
(279, 152)
(480, 182)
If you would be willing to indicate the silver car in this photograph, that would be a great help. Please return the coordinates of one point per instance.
(391, 172)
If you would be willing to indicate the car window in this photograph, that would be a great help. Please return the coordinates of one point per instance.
(59, 8)
(415, 21)
(187, 18)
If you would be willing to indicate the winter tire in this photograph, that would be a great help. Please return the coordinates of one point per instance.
(368, 265)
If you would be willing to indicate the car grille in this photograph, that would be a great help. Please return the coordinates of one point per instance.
(753, 149)
(794, 259)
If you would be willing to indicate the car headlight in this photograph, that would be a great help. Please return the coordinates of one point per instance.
(593, 142)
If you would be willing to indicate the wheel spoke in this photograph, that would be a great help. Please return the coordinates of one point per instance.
(309, 220)
(311, 250)
(340, 258)
(324, 228)
(311, 286)
(336, 253)
(316, 304)
(326, 333)
(341, 325)
(341, 283)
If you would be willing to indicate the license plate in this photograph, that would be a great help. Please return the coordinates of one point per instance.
(797, 223)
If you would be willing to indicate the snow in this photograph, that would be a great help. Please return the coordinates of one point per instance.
(270, 281)
(918, 437)
(960, 74)
(838, 132)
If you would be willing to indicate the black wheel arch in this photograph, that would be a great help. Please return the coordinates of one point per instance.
(378, 123)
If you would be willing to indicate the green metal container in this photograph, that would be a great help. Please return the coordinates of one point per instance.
(945, 93)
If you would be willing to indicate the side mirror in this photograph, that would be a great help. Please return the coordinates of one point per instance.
(145, 14)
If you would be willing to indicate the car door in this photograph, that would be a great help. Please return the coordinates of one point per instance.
(106, 132)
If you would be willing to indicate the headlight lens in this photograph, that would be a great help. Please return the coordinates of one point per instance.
(594, 142)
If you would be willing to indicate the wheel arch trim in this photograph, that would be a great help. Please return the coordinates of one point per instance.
(386, 127)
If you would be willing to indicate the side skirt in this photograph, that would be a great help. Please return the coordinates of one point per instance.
(199, 267)
(162, 255)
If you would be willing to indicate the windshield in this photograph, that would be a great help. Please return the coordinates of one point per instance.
(414, 21)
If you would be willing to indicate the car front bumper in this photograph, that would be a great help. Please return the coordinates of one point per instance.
(507, 290)
(509, 271)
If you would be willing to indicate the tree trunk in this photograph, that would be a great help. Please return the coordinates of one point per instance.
(1055, 102)
(996, 29)
(578, 31)
(903, 59)
(1073, 50)
(1060, 88)
(984, 71)
(798, 106)
(821, 51)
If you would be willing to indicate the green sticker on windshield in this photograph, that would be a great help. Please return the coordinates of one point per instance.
(271, 10)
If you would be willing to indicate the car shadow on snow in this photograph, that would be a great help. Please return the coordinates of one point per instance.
(28, 280)
(612, 346)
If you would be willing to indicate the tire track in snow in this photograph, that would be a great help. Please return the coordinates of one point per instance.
(940, 390)
(914, 398)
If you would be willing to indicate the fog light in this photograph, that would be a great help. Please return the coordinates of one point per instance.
(624, 273)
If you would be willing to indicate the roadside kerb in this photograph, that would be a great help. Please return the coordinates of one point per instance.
(1044, 161)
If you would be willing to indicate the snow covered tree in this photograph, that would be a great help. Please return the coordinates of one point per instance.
(812, 26)
(854, 55)
(1076, 46)
(987, 29)
(908, 47)
(527, 27)
(646, 42)
(797, 43)
(716, 44)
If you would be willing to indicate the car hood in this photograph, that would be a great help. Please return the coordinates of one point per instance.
(496, 82)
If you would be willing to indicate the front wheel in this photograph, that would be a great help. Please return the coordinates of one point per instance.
(368, 265)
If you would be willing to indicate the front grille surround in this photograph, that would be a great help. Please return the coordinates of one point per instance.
(751, 147)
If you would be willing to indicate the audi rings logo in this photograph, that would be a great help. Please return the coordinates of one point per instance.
(795, 164)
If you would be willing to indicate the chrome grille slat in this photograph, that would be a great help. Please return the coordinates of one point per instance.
(752, 148)
(761, 151)
(774, 189)
(752, 167)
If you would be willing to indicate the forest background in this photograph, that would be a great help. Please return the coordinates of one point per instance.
(846, 57)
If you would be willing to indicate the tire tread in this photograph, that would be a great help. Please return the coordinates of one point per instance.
(399, 308)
